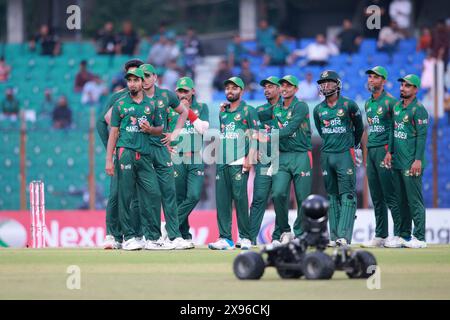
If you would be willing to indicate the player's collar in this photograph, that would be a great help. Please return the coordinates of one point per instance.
(382, 95)
(293, 102)
(412, 104)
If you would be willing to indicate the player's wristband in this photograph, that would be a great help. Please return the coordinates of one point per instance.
(192, 116)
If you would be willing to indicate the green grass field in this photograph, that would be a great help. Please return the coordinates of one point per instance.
(205, 274)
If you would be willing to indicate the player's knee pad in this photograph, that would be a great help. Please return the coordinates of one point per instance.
(348, 199)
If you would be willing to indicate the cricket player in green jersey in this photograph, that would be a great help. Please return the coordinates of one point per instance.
(113, 239)
(165, 100)
(135, 172)
(339, 123)
(380, 111)
(187, 158)
(408, 162)
(262, 184)
(295, 157)
(238, 128)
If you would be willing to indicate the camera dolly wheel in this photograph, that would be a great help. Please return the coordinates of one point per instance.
(360, 265)
(249, 266)
(318, 265)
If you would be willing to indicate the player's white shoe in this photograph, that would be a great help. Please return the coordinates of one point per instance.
(181, 244)
(246, 244)
(159, 244)
(286, 237)
(341, 242)
(415, 243)
(191, 243)
(132, 244)
(238, 243)
(221, 244)
(376, 242)
(332, 244)
(143, 241)
(110, 243)
(394, 242)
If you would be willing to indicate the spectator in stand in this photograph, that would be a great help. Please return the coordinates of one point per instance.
(162, 31)
(400, 12)
(389, 38)
(427, 77)
(192, 51)
(62, 115)
(170, 76)
(307, 89)
(317, 53)
(277, 53)
(265, 36)
(48, 42)
(128, 40)
(236, 52)
(223, 73)
(382, 5)
(10, 107)
(349, 38)
(48, 104)
(440, 42)
(163, 51)
(248, 77)
(93, 91)
(425, 40)
(5, 70)
(107, 39)
(83, 76)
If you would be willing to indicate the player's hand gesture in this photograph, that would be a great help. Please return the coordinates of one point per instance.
(388, 160)
(145, 126)
(109, 168)
(416, 168)
(167, 138)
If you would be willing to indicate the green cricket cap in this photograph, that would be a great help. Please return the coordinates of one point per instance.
(378, 70)
(272, 79)
(235, 80)
(185, 83)
(148, 68)
(289, 79)
(328, 75)
(135, 72)
(411, 79)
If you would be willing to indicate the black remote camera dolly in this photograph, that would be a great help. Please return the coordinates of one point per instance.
(293, 260)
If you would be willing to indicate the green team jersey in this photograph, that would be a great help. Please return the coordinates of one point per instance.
(410, 134)
(266, 117)
(379, 114)
(294, 126)
(340, 127)
(102, 126)
(165, 101)
(234, 126)
(127, 115)
(189, 139)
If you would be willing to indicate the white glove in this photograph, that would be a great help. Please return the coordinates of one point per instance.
(200, 126)
(358, 156)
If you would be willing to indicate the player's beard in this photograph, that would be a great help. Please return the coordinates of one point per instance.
(372, 88)
(134, 92)
(404, 96)
(232, 98)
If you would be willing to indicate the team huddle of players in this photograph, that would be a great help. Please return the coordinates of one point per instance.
(155, 157)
